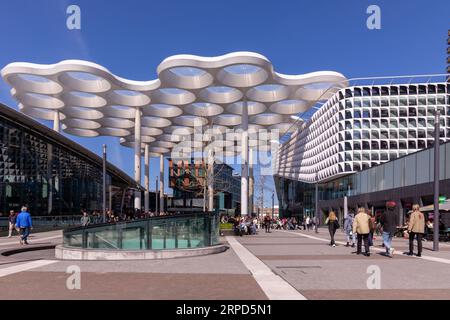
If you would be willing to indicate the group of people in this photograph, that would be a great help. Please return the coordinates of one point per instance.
(360, 228)
(291, 223)
(250, 224)
(21, 223)
(112, 217)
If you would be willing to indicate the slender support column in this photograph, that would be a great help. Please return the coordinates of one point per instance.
(137, 157)
(436, 181)
(161, 183)
(316, 199)
(273, 204)
(244, 159)
(147, 178)
(56, 125)
(210, 180)
(251, 181)
(104, 183)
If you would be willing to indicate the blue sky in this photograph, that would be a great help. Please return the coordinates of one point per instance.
(132, 37)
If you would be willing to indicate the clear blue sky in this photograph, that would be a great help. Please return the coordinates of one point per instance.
(132, 37)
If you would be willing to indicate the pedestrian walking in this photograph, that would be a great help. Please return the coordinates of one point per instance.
(308, 223)
(348, 229)
(389, 223)
(416, 229)
(267, 223)
(361, 228)
(85, 219)
(24, 223)
(12, 223)
(333, 225)
(316, 224)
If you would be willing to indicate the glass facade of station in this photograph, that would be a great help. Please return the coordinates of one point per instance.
(48, 176)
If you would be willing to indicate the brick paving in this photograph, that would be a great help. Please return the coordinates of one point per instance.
(303, 259)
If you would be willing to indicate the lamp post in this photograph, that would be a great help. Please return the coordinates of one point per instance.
(273, 203)
(316, 196)
(436, 182)
(104, 183)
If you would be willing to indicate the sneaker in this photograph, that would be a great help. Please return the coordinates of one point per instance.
(347, 245)
(410, 254)
(353, 245)
(334, 245)
(367, 254)
(26, 242)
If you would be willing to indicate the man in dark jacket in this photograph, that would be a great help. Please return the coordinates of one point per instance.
(389, 223)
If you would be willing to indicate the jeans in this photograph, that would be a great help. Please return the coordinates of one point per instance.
(25, 232)
(351, 237)
(362, 237)
(387, 240)
(419, 242)
(371, 239)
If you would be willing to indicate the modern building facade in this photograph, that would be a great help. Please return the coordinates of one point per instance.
(51, 174)
(188, 179)
(362, 143)
(406, 180)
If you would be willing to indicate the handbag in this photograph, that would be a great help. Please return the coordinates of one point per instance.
(336, 224)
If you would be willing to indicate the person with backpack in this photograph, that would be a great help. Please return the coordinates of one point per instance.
(416, 228)
(361, 228)
(333, 225)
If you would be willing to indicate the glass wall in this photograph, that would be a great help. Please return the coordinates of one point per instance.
(46, 176)
(297, 198)
(156, 233)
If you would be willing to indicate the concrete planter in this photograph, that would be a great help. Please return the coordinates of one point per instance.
(66, 253)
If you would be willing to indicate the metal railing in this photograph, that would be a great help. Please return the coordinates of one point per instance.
(183, 231)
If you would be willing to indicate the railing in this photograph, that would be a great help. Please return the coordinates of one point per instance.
(156, 233)
(47, 221)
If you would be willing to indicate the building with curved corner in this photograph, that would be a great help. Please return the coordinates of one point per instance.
(359, 129)
(51, 174)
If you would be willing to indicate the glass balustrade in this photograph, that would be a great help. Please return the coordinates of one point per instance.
(156, 233)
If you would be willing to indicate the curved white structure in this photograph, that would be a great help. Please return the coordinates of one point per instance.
(236, 90)
(190, 90)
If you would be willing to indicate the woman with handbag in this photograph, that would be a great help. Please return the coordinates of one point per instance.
(333, 225)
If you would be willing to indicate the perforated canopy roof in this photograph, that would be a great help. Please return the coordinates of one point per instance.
(190, 91)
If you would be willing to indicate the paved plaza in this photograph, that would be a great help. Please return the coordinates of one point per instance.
(278, 265)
